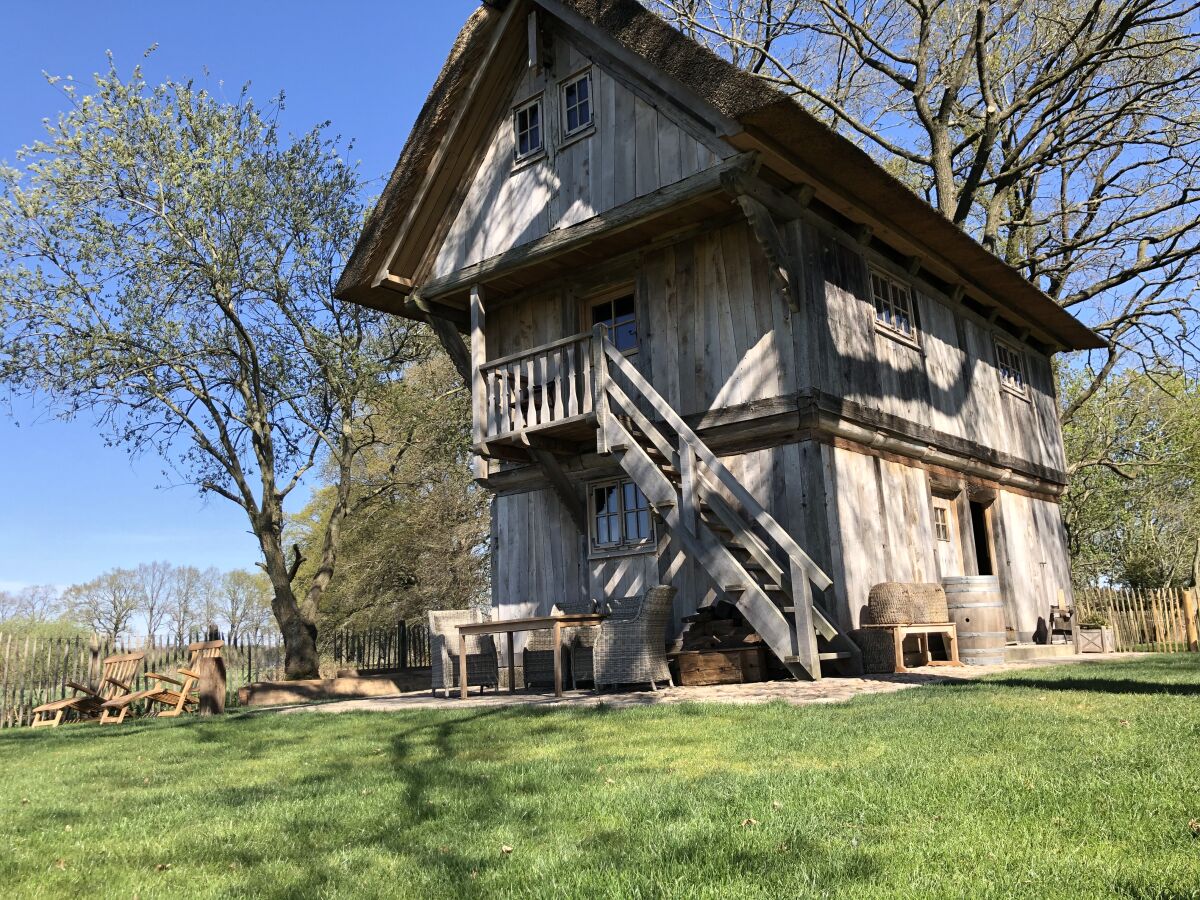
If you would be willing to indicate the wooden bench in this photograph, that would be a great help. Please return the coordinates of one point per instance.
(922, 630)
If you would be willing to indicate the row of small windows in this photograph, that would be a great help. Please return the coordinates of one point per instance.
(575, 96)
(895, 314)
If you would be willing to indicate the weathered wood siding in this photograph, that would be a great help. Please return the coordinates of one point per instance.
(715, 332)
(949, 383)
(1033, 564)
(538, 557)
(635, 149)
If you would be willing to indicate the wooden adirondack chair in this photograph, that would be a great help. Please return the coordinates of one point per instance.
(116, 681)
(181, 698)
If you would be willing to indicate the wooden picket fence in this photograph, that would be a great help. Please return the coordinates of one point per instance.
(34, 671)
(403, 646)
(1160, 620)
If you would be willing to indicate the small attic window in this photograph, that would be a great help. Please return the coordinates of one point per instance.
(577, 104)
(1010, 362)
(527, 128)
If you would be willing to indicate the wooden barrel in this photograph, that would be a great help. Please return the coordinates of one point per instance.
(977, 609)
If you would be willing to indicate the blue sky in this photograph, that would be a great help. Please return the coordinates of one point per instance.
(70, 507)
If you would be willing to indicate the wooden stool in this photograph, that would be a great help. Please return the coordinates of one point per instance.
(922, 632)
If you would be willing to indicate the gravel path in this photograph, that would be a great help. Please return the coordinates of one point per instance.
(799, 693)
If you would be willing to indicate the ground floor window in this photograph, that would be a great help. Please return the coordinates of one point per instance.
(620, 516)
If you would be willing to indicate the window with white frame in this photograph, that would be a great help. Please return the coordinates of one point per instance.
(893, 306)
(620, 516)
(527, 128)
(577, 104)
(941, 523)
(1010, 362)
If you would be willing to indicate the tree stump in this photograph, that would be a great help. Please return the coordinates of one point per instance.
(211, 685)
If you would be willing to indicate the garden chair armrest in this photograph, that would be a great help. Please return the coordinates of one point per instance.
(81, 687)
(155, 676)
(121, 684)
(189, 673)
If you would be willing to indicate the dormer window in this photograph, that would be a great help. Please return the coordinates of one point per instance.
(893, 307)
(1010, 363)
(577, 104)
(527, 128)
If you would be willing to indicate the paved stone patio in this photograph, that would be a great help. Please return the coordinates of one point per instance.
(799, 693)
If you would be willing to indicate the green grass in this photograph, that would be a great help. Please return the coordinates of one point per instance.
(1077, 781)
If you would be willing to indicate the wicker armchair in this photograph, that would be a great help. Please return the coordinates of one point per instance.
(483, 664)
(631, 646)
(538, 656)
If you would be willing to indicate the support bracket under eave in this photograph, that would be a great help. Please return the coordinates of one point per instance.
(767, 233)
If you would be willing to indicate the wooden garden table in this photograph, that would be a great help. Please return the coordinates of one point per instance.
(510, 627)
(922, 630)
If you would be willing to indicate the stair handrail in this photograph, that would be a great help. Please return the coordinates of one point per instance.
(753, 508)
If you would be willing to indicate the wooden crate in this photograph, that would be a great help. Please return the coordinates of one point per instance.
(732, 666)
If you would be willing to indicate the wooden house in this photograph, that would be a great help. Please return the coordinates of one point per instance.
(710, 342)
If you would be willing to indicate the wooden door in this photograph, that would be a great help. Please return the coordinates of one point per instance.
(946, 537)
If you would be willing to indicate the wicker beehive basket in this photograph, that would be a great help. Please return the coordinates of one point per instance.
(878, 651)
(890, 603)
(928, 602)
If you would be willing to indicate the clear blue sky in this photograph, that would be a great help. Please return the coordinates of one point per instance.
(70, 507)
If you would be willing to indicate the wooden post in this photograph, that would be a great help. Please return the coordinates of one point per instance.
(558, 686)
(211, 685)
(1190, 620)
(600, 388)
(479, 400)
(512, 665)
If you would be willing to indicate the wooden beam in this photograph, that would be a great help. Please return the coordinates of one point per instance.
(749, 185)
(563, 489)
(456, 348)
(548, 444)
(531, 25)
(771, 240)
(621, 218)
(478, 359)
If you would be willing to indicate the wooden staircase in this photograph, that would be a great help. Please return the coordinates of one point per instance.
(749, 556)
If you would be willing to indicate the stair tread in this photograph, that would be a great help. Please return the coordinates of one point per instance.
(824, 657)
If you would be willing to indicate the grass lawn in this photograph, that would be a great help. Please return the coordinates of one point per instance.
(1076, 781)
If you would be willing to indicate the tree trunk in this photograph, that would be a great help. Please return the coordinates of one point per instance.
(299, 631)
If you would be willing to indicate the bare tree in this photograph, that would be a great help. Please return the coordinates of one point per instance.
(1064, 136)
(155, 584)
(106, 604)
(34, 604)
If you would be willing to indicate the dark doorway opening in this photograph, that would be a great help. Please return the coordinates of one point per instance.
(983, 546)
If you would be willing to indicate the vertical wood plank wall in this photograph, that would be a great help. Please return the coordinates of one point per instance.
(634, 150)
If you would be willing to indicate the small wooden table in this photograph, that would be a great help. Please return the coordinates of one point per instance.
(510, 627)
(922, 630)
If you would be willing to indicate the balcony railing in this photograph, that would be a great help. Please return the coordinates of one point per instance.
(540, 387)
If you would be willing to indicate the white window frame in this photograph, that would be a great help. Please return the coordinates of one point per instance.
(578, 130)
(941, 523)
(1011, 359)
(625, 544)
(533, 152)
(898, 297)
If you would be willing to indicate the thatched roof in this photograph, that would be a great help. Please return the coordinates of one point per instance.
(758, 108)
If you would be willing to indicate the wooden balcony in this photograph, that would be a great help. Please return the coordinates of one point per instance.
(538, 395)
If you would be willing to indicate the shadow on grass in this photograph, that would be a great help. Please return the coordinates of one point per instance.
(1102, 685)
(481, 763)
